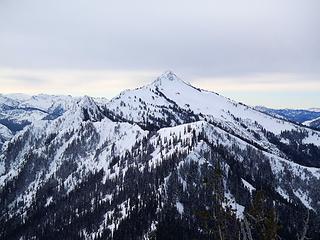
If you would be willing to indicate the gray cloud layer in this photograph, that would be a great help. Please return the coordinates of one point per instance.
(194, 37)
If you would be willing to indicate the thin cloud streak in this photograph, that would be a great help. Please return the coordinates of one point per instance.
(257, 89)
(99, 83)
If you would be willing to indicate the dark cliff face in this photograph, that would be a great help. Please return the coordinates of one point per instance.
(146, 166)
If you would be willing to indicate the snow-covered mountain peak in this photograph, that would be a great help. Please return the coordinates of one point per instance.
(89, 110)
(87, 102)
(166, 78)
(169, 101)
(168, 75)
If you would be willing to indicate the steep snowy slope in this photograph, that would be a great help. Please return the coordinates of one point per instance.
(82, 137)
(5, 135)
(83, 113)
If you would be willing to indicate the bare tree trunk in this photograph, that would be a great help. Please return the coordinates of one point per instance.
(305, 227)
(248, 230)
(243, 231)
(220, 233)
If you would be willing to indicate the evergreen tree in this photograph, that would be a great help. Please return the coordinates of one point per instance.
(263, 217)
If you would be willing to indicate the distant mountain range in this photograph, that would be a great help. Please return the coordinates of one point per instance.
(164, 161)
(20, 110)
(308, 117)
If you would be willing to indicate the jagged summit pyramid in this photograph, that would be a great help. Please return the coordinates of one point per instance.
(167, 76)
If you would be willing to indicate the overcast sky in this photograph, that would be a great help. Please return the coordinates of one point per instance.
(260, 52)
